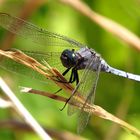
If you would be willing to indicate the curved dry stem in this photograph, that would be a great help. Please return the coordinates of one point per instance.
(93, 109)
(55, 76)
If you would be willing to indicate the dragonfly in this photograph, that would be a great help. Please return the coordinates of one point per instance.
(73, 56)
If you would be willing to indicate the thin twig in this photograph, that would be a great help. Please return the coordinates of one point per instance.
(23, 111)
(106, 23)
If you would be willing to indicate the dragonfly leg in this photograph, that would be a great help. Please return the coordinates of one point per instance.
(76, 77)
(65, 104)
(72, 79)
(69, 98)
(58, 91)
(73, 76)
(66, 71)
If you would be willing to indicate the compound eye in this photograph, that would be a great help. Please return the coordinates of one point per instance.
(65, 55)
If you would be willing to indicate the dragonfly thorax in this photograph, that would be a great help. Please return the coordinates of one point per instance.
(68, 58)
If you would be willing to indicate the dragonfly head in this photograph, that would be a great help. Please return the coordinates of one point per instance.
(68, 58)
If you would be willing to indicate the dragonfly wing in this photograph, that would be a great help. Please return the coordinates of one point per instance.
(36, 34)
(71, 110)
(86, 89)
(83, 119)
(80, 88)
(90, 95)
(51, 58)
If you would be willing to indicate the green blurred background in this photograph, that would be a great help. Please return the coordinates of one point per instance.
(117, 95)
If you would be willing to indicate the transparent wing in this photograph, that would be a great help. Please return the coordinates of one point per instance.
(51, 58)
(84, 116)
(83, 87)
(37, 35)
(86, 88)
